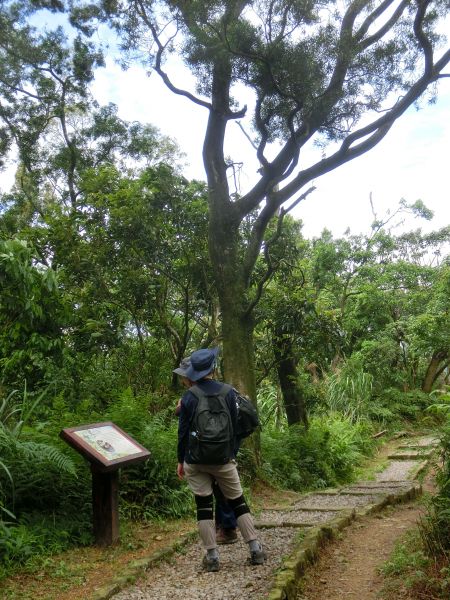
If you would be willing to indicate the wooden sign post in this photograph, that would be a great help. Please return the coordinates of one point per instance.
(107, 448)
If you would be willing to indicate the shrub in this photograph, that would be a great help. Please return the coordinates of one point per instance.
(152, 489)
(435, 527)
(324, 455)
(394, 405)
(422, 562)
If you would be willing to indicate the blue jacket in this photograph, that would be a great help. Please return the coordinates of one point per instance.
(188, 405)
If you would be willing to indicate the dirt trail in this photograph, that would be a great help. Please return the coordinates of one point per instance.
(349, 566)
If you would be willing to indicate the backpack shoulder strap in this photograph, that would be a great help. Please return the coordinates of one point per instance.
(226, 387)
(199, 393)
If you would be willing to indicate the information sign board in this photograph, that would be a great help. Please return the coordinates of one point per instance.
(105, 445)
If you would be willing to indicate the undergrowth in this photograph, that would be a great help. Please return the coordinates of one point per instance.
(421, 564)
(324, 455)
(45, 487)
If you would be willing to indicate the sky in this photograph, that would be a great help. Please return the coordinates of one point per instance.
(410, 163)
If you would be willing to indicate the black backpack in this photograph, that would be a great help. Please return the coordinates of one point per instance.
(247, 419)
(211, 436)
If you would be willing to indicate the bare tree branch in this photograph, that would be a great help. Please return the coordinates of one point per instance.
(158, 60)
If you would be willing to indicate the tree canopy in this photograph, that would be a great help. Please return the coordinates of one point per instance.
(337, 75)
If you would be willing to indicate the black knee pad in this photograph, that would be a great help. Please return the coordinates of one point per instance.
(204, 507)
(239, 506)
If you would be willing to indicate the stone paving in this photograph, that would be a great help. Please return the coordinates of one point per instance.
(292, 537)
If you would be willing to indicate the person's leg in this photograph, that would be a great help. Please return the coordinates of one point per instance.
(228, 480)
(201, 484)
(224, 518)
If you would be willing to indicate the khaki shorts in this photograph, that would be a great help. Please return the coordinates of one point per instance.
(201, 477)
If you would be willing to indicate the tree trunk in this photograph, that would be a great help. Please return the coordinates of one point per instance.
(433, 370)
(293, 399)
(237, 325)
(225, 249)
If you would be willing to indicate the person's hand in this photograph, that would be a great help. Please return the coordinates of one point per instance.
(180, 471)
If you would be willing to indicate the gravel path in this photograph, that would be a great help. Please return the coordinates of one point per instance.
(339, 501)
(299, 517)
(183, 579)
(397, 470)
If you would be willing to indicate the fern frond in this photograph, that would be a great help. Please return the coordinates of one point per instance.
(46, 453)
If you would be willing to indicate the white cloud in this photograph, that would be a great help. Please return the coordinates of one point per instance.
(411, 163)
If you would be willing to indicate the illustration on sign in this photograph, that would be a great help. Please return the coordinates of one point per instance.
(108, 442)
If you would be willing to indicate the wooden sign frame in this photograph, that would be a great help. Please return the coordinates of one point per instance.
(107, 448)
(105, 445)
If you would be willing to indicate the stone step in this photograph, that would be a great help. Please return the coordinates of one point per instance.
(336, 501)
(295, 518)
(410, 455)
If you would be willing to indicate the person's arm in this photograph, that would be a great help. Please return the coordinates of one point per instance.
(183, 427)
(178, 408)
(231, 401)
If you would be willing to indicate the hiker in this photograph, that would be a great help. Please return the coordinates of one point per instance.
(225, 521)
(206, 452)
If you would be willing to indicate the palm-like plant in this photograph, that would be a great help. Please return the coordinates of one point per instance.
(349, 392)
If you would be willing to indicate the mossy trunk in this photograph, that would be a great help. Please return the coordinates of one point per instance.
(433, 370)
(225, 246)
(237, 324)
(293, 399)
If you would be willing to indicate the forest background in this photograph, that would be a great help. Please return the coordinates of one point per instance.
(114, 266)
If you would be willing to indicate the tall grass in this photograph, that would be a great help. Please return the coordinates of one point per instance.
(270, 406)
(349, 393)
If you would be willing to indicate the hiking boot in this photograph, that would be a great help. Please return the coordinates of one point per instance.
(226, 536)
(257, 557)
(210, 564)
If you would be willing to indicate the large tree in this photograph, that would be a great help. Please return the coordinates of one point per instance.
(327, 72)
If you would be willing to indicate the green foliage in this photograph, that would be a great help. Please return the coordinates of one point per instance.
(411, 566)
(27, 463)
(380, 358)
(392, 406)
(39, 535)
(406, 559)
(324, 455)
(128, 411)
(349, 392)
(435, 528)
(270, 406)
(153, 489)
(30, 315)
(422, 561)
(40, 483)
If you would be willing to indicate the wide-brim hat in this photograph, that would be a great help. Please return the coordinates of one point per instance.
(202, 363)
(183, 367)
